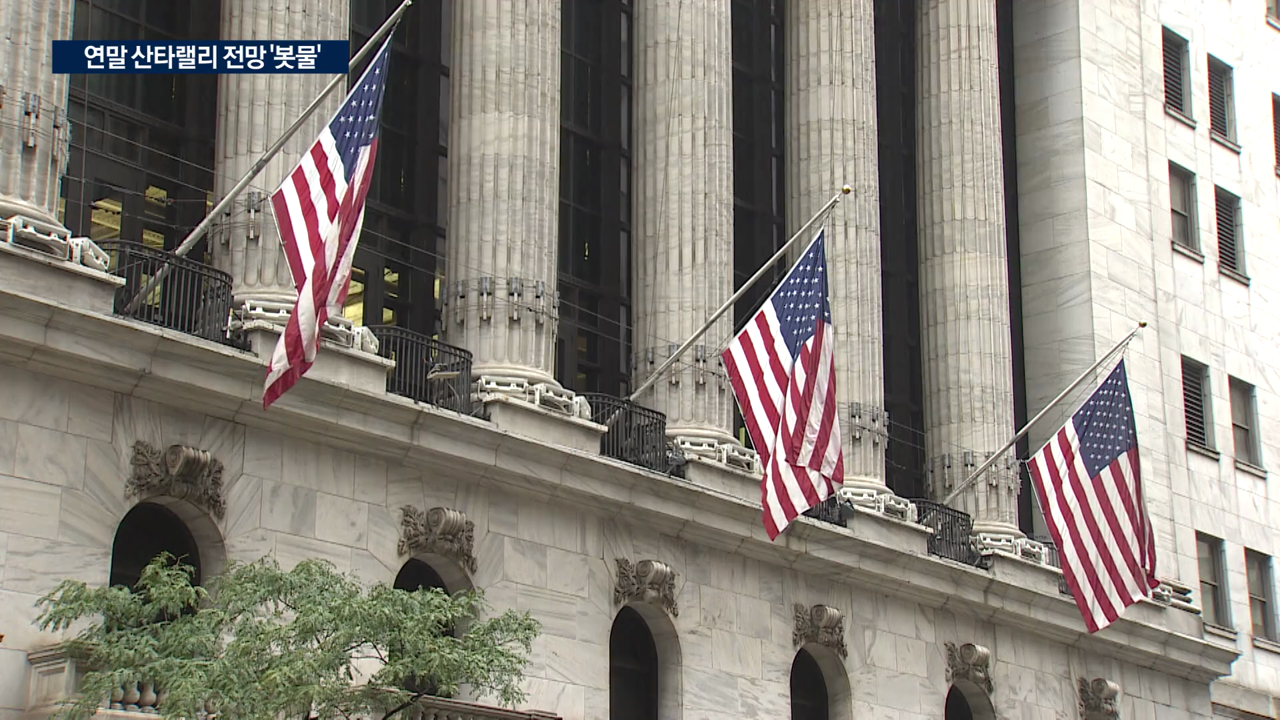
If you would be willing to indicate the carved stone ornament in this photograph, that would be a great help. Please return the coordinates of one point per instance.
(1098, 699)
(970, 662)
(439, 531)
(647, 581)
(180, 472)
(821, 624)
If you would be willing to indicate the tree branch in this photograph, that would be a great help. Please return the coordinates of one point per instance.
(416, 697)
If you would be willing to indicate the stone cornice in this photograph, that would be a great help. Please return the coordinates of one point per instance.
(876, 553)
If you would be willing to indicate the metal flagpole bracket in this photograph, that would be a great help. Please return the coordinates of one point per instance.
(1052, 404)
(225, 203)
(746, 286)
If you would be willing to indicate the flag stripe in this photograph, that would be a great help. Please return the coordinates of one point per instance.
(1089, 483)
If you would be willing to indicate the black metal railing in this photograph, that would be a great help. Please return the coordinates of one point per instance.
(193, 298)
(828, 511)
(633, 434)
(426, 370)
(951, 531)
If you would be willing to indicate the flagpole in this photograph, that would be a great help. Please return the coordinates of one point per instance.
(764, 269)
(203, 228)
(1052, 403)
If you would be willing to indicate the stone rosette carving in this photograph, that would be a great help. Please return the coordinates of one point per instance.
(970, 662)
(181, 472)
(438, 531)
(820, 624)
(1098, 699)
(647, 581)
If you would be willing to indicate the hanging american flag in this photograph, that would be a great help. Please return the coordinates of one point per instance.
(1089, 484)
(319, 209)
(782, 366)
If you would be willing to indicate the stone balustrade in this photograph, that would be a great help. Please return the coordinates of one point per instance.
(139, 697)
(433, 708)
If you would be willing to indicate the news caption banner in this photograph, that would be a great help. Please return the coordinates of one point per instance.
(329, 57)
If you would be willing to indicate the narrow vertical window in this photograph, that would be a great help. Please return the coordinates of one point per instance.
(1230, 240)
(1275, 124)
(1261, 608)
(1213, 592)
(1177, 88)
(1222, 112)
(1195, 397)
(1243, 421)
(1182, 201)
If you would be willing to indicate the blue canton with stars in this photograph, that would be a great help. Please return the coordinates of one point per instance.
(802, 297)
(356, 124)
(1105, 423)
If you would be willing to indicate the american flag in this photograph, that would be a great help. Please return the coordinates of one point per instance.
(782, 366)
(1089, 484)
(319, 209)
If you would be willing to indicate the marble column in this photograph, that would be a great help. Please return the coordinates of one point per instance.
(253, 112)
(964, 283)
(504, 180)
(684, 211)
(832, 141)
(34, 134)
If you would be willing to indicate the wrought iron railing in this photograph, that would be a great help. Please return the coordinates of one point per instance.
(951, 531)
(426, 370)
(828, 511)
(633, 433)
(193, 298)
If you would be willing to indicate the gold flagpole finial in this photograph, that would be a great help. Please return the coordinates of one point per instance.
(846, 190)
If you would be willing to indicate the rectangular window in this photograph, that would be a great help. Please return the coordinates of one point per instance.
(1222, 112)
(1244, 413)
(1230, 235)
(1213, 588)
(1275, 125)
(1273, 11)
(1195, 398)
(1177, 85)
(1182, 202)
(1261, 608)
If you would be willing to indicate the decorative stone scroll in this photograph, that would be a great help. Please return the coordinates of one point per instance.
(970, 662)
(1098, 699)
(821, 624)
(647, 581)
(439, 531)
(180, 472)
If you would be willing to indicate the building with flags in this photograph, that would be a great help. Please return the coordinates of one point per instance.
(563, 193)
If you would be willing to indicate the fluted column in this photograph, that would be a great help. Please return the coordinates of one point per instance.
(504, 179)
(34, 136)
(964, 283)
(684, 209)
(832, 141)
(253, 112)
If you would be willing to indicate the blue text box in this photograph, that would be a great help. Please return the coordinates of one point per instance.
(329, 57)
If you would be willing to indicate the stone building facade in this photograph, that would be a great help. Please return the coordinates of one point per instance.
(1014, 165)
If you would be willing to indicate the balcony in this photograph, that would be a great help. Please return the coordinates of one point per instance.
(828, 511)
(951, 531)
(193, 298)
(634, 434)
(427, 370)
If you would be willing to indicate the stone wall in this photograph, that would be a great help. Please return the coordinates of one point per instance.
(1094, 144)
(65, 452)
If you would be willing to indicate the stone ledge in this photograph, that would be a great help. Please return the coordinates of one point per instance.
(192, 374)
(520, 417)
(335, 364)
(36, 273)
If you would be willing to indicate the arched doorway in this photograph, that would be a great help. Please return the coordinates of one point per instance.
(146, 531)
(968, 704)
(633, 668)
(418, 575)
(809, 696)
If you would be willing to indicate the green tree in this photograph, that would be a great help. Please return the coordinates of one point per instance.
(262, 643)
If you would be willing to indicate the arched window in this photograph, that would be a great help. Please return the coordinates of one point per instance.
(633, 669)
(808, 689)
(146, 531)
(968, 704)
(417, 575)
